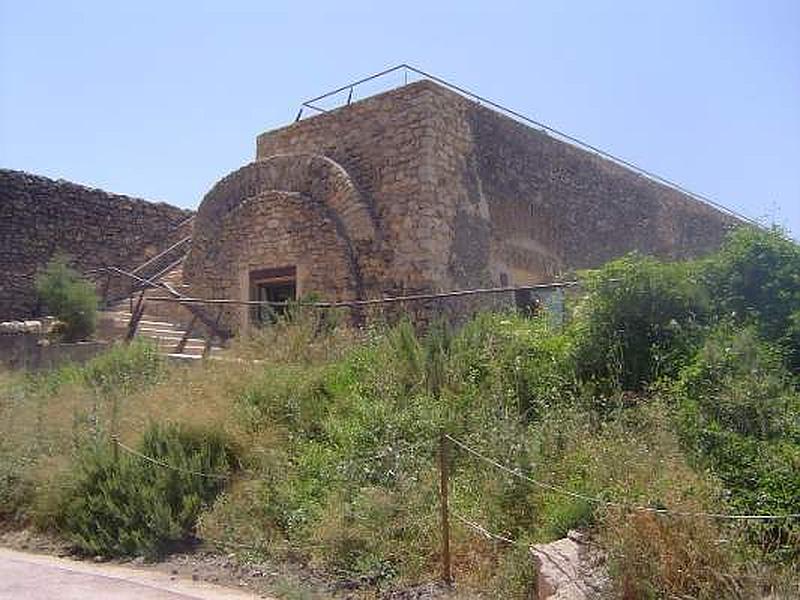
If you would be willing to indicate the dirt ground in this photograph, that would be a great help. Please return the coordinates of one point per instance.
(281, 580)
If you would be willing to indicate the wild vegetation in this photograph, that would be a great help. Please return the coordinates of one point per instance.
(69, 298)
(671, 386)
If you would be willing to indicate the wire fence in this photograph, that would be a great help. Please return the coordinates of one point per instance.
(540, 287)
(408, 447)
(160, 463)
(421, 307)
(447, 442)
(399, 448)
(594, 500)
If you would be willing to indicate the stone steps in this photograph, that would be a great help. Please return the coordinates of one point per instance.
(164, 323)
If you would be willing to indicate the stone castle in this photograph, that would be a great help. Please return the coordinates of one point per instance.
(414, 190)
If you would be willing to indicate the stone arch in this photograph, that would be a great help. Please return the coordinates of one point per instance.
(321, 181)
(278, 228)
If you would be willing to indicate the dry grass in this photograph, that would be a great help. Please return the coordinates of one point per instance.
(47, 418)
(655, 556)
(307, 336)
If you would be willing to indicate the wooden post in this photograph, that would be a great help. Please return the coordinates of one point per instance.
(207, 347)
(444, 472)
(136, 316)
(186, 335)
(214, 332)
(115, 447)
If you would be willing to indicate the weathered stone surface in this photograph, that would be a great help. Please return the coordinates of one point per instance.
(40, 217)
(30, 326)
(420, 189)
(567, 570)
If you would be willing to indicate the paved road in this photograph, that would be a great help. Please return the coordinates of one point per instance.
(36, 577)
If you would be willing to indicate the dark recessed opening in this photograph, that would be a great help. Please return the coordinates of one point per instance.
(272, 285)
(528, 304)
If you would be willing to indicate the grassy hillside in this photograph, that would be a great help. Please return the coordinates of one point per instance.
(672, 386)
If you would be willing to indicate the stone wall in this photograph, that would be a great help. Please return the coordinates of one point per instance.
(526, 207)
(385, 145)
(41, 217)
(419, 189)
(32, 351)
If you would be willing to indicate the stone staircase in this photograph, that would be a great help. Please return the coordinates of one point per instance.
(165, 323)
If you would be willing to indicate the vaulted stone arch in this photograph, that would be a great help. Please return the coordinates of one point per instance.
(308, 191)
(315, 175)
(277, 229)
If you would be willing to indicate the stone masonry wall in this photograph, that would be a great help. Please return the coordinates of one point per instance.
(428, 191)
(290, 210)
(358, 176)
(526, 207)
(486, 199)
(385, 144)
(278, 229)
(41, 217)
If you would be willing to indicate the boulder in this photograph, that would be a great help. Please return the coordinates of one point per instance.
(568, 569)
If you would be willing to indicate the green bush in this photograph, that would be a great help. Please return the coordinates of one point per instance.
(738, 383)
(525, 363)
(128, 506)
(124, 368)
(640, 320)
(16, 489)
(740, 413)
(72, 300)
(755, 278)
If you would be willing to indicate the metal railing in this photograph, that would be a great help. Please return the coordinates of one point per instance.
(518, 116)
(117, 285)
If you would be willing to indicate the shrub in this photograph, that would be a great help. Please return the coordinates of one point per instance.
(525, 363)
(740, 414)
(737, 383)
(756, 279)
(129, 506)
(124, 368)
(16, 490)
(69, 298)
(640, 320)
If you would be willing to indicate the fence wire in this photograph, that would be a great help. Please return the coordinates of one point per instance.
(627, 507)
(396, 452)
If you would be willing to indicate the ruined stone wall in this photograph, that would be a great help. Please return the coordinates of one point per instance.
(41, 217)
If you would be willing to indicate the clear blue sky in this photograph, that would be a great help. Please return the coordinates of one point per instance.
(161, 99)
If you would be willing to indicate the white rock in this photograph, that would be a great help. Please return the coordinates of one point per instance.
(11, 327)
(565, 571)
(32, 326)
